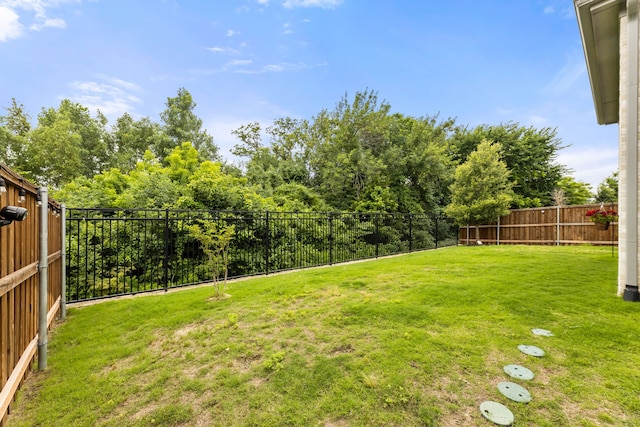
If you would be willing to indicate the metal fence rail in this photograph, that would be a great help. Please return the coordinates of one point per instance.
(115, 252)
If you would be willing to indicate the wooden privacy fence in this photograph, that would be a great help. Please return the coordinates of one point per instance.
(22, 275)
(555, 225)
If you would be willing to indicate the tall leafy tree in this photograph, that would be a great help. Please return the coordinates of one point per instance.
(575, 192)
(346, 146)
(529, 153)
(54, 154)
(282, 161)
(67, 142)
(481, 190)
(419, 165)
(608, 189)
(14, 133)
(129, 139)
(180, 124)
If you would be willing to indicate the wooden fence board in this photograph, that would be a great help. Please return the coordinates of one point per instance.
(565, 225)
(19, 284)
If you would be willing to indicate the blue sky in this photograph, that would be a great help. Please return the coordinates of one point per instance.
(486, 62)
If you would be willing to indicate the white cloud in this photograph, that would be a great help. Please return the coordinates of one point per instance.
(561, 8)
(538, 121)
(590, 165)
(10, 27)
(286, 29)
(51, 23)
(325, 4)
(273, 68)
(231, 33)
(218, 49)
(237, 62)
(111, 95)
(35, 12)
(565, 78)
(244, 66)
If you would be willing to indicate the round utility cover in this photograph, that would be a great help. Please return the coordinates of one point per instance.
(515, 392)
(542, 332)
(531, 350)
(519, 372)
(497, 413)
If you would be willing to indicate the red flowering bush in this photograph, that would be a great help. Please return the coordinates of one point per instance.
(601, 216)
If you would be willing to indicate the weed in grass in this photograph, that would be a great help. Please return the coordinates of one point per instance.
(274, 362)
(371, 380)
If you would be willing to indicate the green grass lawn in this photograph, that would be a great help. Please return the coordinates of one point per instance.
(418, 339)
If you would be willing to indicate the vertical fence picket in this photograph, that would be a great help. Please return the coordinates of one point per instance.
(537, 226)
(30, 259)
(144, 250)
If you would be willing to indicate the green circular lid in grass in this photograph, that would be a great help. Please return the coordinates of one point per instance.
(496, 413)
(542, 332)
(519, 372)
(515, 392)
(531, 350)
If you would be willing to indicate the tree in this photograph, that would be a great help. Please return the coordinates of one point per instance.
(14, 131)
(130, 139)
(54, 154)
(92, 131)
(345, 149)
(282, 162)
(529, 153)
(481, 190)
(575, 192)
(419, 166)
(180, 124)
(608, 189)
(66, 143)
(214, 239)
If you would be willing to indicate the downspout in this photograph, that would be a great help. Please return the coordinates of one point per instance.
(631, 291)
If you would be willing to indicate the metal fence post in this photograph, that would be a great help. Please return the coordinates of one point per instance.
(377, 225)
(266, 246)
(165, 260)
(43, 270)
(63, 256)
(410, 232)
(330, 238)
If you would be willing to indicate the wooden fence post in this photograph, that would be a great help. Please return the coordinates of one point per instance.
(557, 225)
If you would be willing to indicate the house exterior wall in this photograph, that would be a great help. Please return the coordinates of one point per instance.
(625, 158)
(622, 160)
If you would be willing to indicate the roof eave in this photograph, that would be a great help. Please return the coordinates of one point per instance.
(599, 24)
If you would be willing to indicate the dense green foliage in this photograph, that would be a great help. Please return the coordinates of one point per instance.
(359, 156)
(608, 189)
(574, 192)
(119, 251)
(481, 190)
(415, 340)
(529, 154)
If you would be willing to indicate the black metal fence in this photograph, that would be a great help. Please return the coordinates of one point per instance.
(115, 252)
